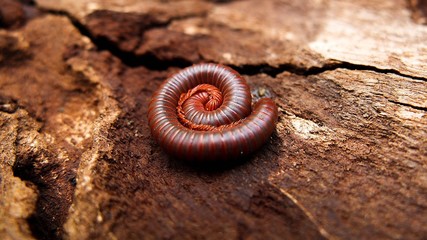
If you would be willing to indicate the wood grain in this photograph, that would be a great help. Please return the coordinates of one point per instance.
(348, 159)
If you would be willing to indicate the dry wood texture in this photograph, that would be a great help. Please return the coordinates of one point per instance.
(348, 159)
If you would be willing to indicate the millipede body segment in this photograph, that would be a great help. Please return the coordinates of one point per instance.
(204, 113)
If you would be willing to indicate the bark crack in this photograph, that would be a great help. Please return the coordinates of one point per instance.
(274, 71)
(408, 105)
(152, 62)
(129, 58)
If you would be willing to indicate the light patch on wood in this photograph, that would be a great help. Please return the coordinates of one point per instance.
(387, 40)
(406, 114)
(308, 129)
(227, 56)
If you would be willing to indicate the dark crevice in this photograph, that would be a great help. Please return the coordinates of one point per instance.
(409, 105)
(274, 71)
(359, 67)
(267, 69)
(42, 222)
(130, 59)
(152, 62)
(28, 2)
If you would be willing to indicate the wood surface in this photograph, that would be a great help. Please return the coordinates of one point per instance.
(348, 159)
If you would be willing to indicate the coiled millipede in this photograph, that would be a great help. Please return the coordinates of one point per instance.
(203, 113)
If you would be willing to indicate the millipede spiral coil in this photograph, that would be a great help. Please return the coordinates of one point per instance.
(204, 113)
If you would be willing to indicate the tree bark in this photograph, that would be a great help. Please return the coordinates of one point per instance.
(348, 159)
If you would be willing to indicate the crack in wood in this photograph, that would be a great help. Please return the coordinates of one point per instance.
(274, 71)
(408, 105)
(129, 58)
(152, 62)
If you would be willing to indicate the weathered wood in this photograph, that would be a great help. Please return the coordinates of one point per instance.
(348, 159)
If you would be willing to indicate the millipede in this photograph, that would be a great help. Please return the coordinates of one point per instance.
(204, 113)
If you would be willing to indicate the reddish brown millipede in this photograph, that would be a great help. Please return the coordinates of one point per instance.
(204, 113)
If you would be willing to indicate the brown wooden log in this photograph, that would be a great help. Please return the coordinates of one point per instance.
(348, 159)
